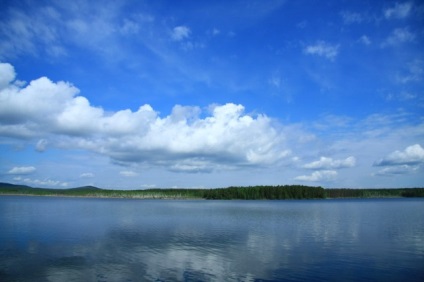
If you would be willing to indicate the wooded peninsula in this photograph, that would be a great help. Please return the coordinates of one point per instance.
(280, 192)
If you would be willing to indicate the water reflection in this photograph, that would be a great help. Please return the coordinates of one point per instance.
(62, 239)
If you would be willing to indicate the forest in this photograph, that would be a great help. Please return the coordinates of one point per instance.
(279, 192)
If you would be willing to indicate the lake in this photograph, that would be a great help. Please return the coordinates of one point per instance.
(86, 239)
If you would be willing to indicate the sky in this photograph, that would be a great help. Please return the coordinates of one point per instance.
(204, 94)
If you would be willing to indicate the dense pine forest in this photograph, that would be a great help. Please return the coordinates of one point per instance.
(230, 193)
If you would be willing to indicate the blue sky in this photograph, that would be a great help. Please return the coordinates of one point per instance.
(143, 94)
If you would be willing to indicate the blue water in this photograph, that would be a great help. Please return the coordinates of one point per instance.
(77, 239)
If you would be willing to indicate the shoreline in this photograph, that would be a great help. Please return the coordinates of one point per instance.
(279, 192)
(194, 199)
(103, 197)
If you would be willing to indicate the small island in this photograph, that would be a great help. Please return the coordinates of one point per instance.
(279, 192)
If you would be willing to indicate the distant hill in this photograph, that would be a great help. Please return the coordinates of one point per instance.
(4, 185)
(8, 186)
(85, 188)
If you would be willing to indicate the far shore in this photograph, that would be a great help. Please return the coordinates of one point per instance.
(180, 198)
(262, 192)
(101, 196)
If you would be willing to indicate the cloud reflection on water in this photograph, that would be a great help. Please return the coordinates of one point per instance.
(214, 240)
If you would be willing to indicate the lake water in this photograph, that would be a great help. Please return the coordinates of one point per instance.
(77, 239)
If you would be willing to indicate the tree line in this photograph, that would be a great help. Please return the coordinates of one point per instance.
(279, 192)
(266, 193)
(374, 193)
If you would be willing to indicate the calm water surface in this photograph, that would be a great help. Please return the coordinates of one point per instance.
(76, 239)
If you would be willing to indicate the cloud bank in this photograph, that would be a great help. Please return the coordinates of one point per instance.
(218, 138)
(189, 139)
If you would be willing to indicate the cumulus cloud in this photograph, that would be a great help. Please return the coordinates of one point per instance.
(412, 155)
(22, 170)
(323, 49)
(329, 163)
(399, 11)
(188, 139)
(180, 32)
(7, 74)
(36, 103)
(322, 175)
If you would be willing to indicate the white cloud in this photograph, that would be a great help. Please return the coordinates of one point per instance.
(226, 136)
(37, 103)
(87, 175)
(322, 175)
(329, 163)
(180, 32)
(324, 49)
(412, 155)
(22, 170)
(7, 75)
(398, 36)
(399, 11)
(79, 117)
(191, 139)
(128, 173)
(42, 183)
(397, 170)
